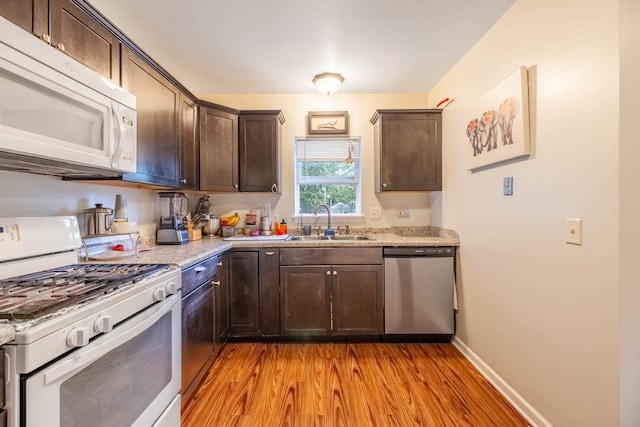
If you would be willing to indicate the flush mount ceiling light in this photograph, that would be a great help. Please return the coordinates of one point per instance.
(328, 83)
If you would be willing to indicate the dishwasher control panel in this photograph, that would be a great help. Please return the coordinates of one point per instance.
(431, 251)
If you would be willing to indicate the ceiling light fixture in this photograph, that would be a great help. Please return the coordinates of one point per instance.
(328, 83)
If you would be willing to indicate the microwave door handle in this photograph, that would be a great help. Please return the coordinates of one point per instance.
(119, 134)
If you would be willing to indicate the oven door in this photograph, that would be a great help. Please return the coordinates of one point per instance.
(127, 377)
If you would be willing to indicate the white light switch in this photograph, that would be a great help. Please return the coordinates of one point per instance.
(375, 213)
(574, 231)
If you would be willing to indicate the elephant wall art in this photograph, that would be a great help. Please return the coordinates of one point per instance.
(500, 130)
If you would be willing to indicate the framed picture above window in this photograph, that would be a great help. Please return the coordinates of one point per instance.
(328, 123)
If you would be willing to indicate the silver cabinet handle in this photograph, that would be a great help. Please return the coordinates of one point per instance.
(235, 185)
(335, 273)
(328, 273)
(269, 253)
(46, 37)
(384, 184)
(215, 282)
(274, 188)
(183, 181)
(219, 263)
(61, 47)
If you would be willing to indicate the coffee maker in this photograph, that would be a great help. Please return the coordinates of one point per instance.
(172, 226)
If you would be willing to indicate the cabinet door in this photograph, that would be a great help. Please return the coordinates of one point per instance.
(259, 150)
(222, 300)
(157, 112)
(31, 15)
(270, 292)
(84, 39)
(197, 334)
(218, 150)
(189, 145)
(244, 294)
(408, 151)
(304, 300)
(356, 300)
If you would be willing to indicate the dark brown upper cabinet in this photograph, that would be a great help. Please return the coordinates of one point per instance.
(31, 15)
(157, 103)
(259, 150)
(67, 27)
(83, 38)
(218, 148)
(189, 144)
(407, 150)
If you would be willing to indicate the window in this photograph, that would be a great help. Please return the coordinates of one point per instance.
(328, 171)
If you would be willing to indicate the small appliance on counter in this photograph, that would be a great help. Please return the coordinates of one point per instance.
(172, 226)
(265, 220)
(98, 220)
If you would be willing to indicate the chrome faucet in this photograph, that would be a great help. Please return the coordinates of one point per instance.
(329, 231)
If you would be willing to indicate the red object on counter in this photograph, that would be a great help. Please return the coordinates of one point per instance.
(118, 248)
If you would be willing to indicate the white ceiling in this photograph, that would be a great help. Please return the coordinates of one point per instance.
(277, 46)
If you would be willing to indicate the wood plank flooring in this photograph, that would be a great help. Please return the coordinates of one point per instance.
(346, 384)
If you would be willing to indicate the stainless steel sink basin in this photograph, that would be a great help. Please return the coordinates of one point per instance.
(309, 238)
(353, 237)
(341, 238)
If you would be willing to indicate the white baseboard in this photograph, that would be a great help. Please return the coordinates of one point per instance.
(532, 416)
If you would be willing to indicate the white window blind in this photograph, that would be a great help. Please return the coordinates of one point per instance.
(327, 149)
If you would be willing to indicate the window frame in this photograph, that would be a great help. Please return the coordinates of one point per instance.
(356, 179)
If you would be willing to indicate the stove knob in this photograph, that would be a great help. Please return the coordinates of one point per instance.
(103, 324)
(159, 294)
(171, 288)
(78, 337)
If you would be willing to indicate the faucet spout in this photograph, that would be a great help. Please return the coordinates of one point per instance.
(329, 230)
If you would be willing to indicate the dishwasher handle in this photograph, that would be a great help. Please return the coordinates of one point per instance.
(428, 251)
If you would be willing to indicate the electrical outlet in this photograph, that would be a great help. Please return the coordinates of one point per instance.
(375, 213)
(403, 213)
(507, 186)
(574, 231)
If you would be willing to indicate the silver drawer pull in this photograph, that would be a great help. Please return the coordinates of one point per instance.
(215, 282)
(269, 253)
(219, 263)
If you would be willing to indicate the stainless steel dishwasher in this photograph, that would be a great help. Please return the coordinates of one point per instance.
(418, 295)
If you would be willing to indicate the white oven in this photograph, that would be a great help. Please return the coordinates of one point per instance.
(128, 377)
(95, 344)
(59, 117)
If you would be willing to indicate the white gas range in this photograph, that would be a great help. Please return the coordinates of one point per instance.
(96, 344)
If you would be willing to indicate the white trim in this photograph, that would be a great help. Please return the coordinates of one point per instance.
(518, 402)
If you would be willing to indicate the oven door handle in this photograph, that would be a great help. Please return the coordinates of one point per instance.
(108, 342)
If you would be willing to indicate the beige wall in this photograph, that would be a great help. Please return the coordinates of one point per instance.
(542, 314)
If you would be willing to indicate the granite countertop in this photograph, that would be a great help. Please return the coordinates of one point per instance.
(7, 333)
(193, 252)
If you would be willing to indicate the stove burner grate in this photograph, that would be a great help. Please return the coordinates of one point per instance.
(38, 294)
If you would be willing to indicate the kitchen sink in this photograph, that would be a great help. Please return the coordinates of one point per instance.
(354, 237)
(309, 238)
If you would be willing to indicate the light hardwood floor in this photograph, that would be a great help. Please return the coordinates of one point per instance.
(346, 384)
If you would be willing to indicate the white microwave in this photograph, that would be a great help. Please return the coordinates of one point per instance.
(57, 116)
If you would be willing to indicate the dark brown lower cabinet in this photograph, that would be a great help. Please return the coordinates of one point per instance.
(331, 299)
(253, 292)
(202, 309)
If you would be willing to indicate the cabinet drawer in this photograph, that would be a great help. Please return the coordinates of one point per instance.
(344, 256)
(199, 273)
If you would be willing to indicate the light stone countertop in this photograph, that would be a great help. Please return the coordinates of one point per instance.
(7, 333)
(196, 251)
